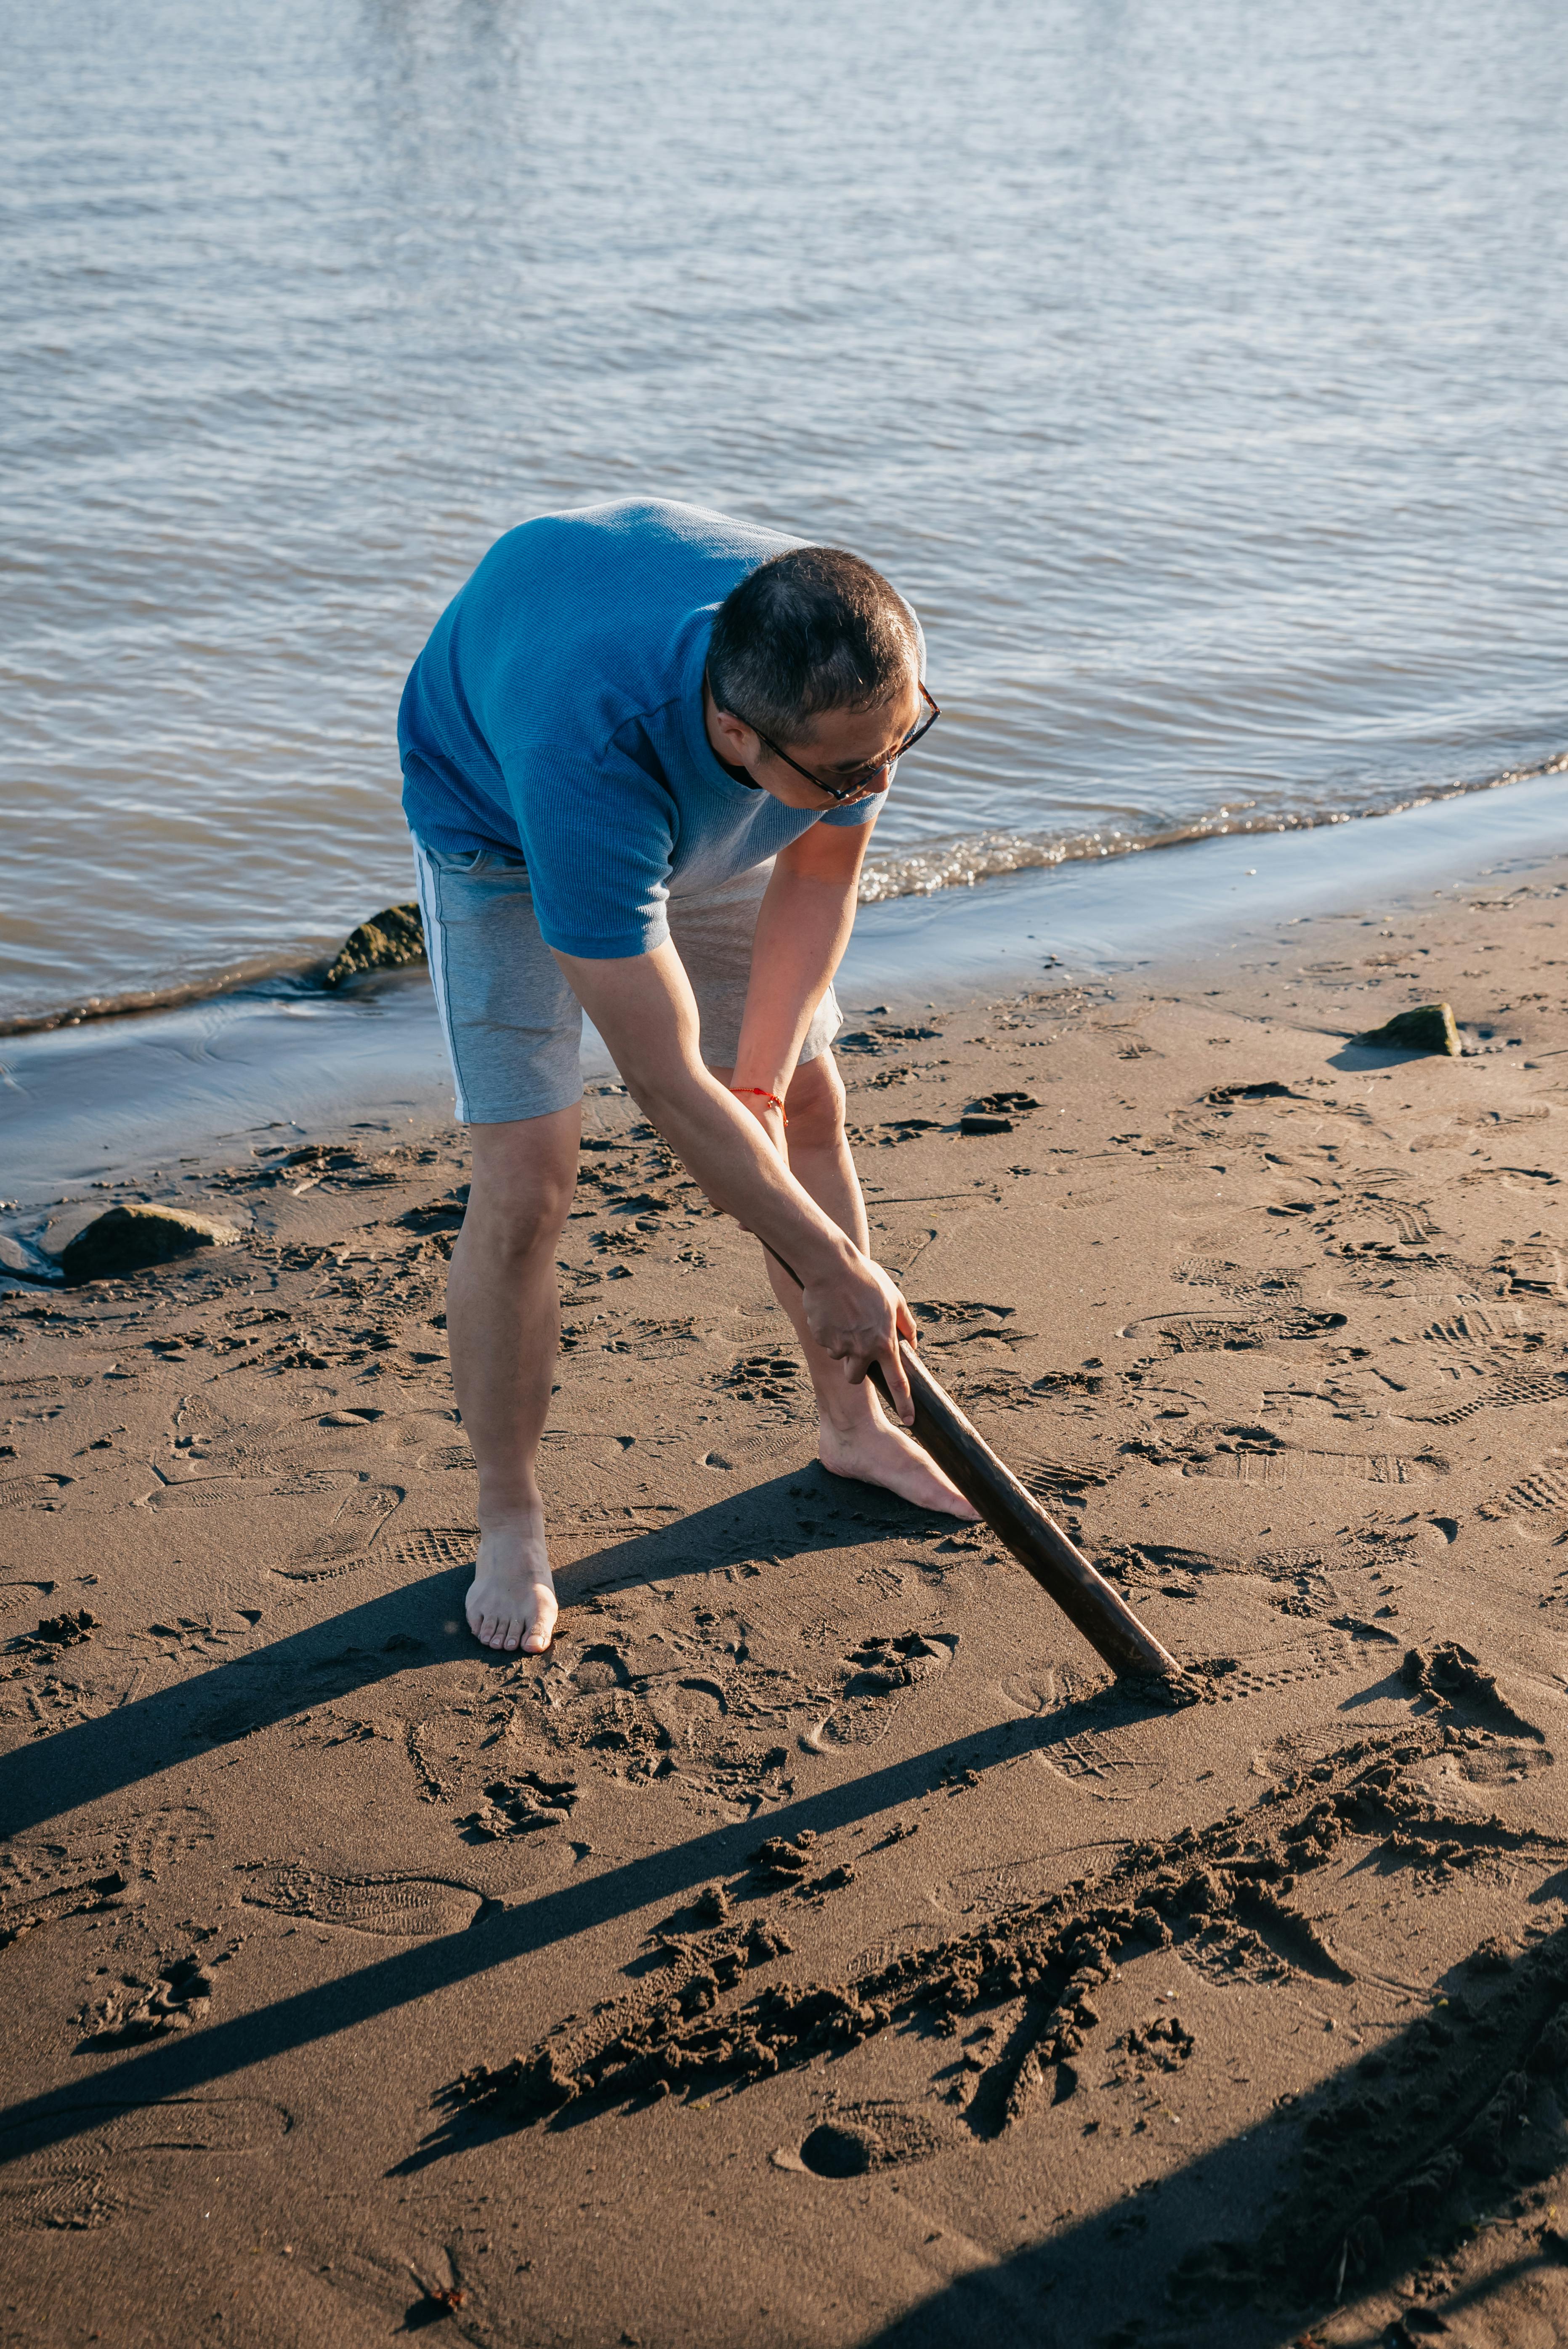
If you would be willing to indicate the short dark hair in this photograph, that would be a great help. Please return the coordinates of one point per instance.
(808, 631)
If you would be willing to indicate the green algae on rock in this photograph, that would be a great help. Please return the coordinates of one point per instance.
(130, 1239)
(1427, 1028)
(394, 935)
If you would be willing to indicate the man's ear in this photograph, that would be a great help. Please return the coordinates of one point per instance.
(738, 736)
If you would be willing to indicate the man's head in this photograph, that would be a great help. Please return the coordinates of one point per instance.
(813, 658)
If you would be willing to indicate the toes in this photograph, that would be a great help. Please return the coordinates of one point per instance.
(541, 1629)
(530, 1628)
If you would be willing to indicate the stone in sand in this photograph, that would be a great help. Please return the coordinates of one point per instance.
(128, 1239)
(1428, 1028)
(394, 935)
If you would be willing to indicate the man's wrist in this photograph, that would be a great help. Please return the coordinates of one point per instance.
(819, 1256)
(766, 1096)
(759, 1078)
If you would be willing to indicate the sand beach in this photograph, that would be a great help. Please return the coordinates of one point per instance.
(817, 1946)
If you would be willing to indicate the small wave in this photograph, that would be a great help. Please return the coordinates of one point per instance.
(271, 976)
(942, 864)
(988, 856)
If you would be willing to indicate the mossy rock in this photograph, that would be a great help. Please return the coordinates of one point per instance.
(1428, 1028)
(394, 935)
(130, 1239)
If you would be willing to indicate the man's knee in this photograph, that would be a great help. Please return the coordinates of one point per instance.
(514, 1225)
(521, 1192)
(814, 1104)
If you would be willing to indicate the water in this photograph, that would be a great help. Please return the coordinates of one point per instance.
(1197, 371)
(200, 1085)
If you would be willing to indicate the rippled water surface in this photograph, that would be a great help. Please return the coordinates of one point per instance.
(1195, 366)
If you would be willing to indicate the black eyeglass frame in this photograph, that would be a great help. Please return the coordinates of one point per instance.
(877, 766)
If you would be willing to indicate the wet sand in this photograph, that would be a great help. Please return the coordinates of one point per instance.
(815, 1948)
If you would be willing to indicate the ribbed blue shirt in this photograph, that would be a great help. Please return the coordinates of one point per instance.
(557, 713)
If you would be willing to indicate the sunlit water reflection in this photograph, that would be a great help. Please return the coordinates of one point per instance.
(1197, 371)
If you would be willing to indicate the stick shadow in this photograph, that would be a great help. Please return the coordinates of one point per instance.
(183, 2067)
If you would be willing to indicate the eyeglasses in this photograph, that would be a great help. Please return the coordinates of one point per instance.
(856, 784)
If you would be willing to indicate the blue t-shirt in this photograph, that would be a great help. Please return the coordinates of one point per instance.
(557, 713)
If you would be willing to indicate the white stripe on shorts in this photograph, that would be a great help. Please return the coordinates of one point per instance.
(435, 955)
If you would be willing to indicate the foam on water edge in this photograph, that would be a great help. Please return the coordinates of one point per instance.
(82, 1102)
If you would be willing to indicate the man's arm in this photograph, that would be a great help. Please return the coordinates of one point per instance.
(803, 929)
(643, 1006)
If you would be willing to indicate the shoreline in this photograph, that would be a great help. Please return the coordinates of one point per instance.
(962, 863)
(818, 1882)
(112, 1098)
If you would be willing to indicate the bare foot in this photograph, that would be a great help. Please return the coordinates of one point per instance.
(512, 1599)
(877, 1452)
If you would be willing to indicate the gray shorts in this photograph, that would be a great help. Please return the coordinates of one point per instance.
(512, 1026)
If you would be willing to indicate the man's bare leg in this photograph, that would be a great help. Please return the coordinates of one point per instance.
(855, 1438)
(503, 1326)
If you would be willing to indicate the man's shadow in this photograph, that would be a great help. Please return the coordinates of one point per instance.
(500, 1934)
(412, 1628)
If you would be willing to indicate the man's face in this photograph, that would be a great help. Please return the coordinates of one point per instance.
(851, 750)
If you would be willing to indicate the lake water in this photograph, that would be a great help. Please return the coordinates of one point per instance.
(1197, 369)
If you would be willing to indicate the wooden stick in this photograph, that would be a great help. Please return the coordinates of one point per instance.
(1033, 1536)
(1016, 1517)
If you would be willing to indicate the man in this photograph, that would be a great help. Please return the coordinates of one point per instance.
(642, 753)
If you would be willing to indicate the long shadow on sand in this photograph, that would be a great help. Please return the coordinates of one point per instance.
(411, 1629)
(1410, 2153)
(406, 1630)
(182, 2067)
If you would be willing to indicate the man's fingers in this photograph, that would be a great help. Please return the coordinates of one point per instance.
(898, 1393)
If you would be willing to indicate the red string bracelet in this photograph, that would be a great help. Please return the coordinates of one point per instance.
(772, 1098)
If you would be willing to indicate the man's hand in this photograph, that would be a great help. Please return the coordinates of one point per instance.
(857, 1316)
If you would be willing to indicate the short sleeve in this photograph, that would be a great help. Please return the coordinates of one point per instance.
(845, 819)
(599, 841)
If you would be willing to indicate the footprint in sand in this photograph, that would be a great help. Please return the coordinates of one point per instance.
(1409, 1219)
(1088, 1734)
(1517, 1387)
(33, 1492)
(1538, 1265)
(122, 2157)
(103, 1861)
(1470, 1777)
(1195, 1333)
(42, 1386)
(353, 1540)
(405, 1907)
(1536, 1506)
(872, 1681)
(1282, 1465)
(1117, 1765)
(1268, 1285)
(24, 1595)
(1326, 1656)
